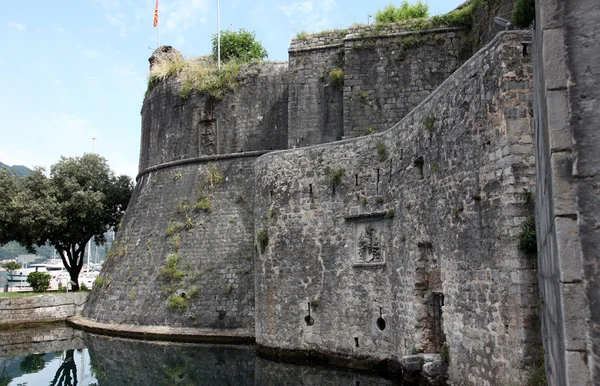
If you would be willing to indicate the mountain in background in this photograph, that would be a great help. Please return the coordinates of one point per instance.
(19, 170)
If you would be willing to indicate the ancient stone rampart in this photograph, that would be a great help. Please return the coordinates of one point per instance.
(365, 79)
(364, 249)
(567, 101)
(252, 118)
(401, 241)
(185, 253)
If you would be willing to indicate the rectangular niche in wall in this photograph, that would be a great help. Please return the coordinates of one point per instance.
(370, 240)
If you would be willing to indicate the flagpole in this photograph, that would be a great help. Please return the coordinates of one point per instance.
(219, 33)
(158, 35)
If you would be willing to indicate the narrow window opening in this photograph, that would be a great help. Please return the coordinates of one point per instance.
(310, 187)
(380, 321)
(418, 164)
(378, 178)
(356, 342)
(437, 327)
(356, 180)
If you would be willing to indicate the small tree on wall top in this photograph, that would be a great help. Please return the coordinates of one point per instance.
(241, 45)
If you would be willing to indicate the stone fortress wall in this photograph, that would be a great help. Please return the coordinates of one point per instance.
(397, 241)
(424, 214)
(566, 105)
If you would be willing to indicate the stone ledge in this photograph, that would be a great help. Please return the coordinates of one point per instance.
(164, 333)
(316, 356)
(202, 159)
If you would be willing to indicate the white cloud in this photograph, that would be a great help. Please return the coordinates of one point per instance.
(118, 21)
(91, 53)
(61, 30)
(124, 69)
(106, 3)
(293, 9)
(182, 14)
(308, 15)
(17, 26)
(56, 80)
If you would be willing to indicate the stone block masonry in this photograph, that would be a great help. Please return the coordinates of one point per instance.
(386, 73)
(364, 249)
(566, 105)
(252, 118)
(185, 254)
(407, 240)
(42, 308)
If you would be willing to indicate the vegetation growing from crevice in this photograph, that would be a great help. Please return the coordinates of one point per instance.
(445, 353)
(430, 123)
(336, 78)
(204, 203)
(199, 75)
(262, 238)
(173, 228)
(333, 176)
(214, 177)
(382, 152)
(170, 270)
(177, 302)
(527, 238)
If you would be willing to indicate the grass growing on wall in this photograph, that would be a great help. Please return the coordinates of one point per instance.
(527, 238)
(197, 74)
(336, 78)
(405, 11)
(262, 238)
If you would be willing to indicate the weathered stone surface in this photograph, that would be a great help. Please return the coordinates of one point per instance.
(42, 308)
(456, 217)
(435, 370)
(412, 363)
(363, 249)
(566, 105)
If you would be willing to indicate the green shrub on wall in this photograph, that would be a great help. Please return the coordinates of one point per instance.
(527, 237)
(241, 45)
(406, 11)
(336, 78)
(39, 281)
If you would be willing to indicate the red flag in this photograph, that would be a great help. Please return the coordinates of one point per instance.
(156, 14)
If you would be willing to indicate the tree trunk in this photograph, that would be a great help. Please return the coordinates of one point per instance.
(72, 258)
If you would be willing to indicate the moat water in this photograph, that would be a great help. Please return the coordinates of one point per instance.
(62, 356)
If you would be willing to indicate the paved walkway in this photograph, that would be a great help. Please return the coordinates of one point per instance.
(179, 334)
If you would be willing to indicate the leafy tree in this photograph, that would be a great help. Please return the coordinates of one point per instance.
(39, 281)
(524, 13)
(241, 45)
(406, 11)
(81, 199)
(11, 267)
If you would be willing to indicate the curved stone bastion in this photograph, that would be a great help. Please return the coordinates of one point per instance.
(362, 250)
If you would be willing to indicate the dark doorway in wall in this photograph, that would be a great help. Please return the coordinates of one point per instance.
(437, 301)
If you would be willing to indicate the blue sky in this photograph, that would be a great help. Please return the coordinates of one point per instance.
(73, 70)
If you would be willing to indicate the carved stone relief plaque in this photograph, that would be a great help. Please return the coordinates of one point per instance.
(207, 136)
(369, 243)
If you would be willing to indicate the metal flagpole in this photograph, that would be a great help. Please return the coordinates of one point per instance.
(158, 34)
(219, 33)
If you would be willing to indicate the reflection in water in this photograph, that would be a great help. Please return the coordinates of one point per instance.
(63, 375)
(32, 363)
(113, 361)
